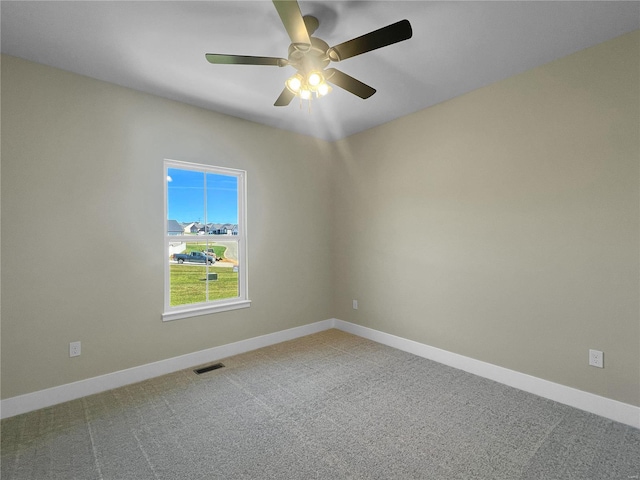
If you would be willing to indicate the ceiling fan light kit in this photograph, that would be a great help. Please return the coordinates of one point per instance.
(305, 86)
(310, 56)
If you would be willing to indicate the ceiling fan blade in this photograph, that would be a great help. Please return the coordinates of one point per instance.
(394, 33)
(222, 59)
(349, 83)
(285, 98)
(291, 17)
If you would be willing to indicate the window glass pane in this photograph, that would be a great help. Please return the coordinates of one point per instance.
(194, 281)
(224, 284)
(227, 285)
(188, 283)
(222, 200)
(185, 196)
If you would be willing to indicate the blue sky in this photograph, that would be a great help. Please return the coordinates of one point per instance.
(185, 197)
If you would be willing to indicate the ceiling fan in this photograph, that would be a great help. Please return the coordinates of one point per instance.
(310, 56)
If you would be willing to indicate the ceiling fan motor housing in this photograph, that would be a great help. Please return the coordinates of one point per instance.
(306, 59)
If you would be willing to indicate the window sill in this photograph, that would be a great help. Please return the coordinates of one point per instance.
(205, 310)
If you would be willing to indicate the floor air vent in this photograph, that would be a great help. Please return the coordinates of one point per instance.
(215, 366)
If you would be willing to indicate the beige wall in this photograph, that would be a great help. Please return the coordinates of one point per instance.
(82, 217)
(503, 225)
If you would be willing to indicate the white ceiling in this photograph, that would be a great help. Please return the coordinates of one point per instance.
(159, 47)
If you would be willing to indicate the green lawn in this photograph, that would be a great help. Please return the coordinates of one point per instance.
(189, 284)
(202, 246)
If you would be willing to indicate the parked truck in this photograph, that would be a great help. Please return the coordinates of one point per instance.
(194, 257)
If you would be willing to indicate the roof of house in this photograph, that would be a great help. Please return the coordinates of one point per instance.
(174, 226)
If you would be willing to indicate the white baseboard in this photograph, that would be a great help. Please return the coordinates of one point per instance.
(605, 407)
(71, 391)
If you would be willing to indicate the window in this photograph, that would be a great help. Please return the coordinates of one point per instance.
(205, 240)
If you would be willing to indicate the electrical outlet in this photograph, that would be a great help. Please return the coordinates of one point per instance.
(74, 349)
(596, 358)
(355, 304)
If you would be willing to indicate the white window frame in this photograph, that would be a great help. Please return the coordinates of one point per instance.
(212, 306)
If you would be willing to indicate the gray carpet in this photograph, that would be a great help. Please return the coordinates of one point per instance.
(329, 406)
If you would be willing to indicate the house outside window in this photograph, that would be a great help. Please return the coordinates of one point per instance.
(174, 228)
(205, 266)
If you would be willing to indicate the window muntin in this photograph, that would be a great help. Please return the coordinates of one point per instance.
(208, 203)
